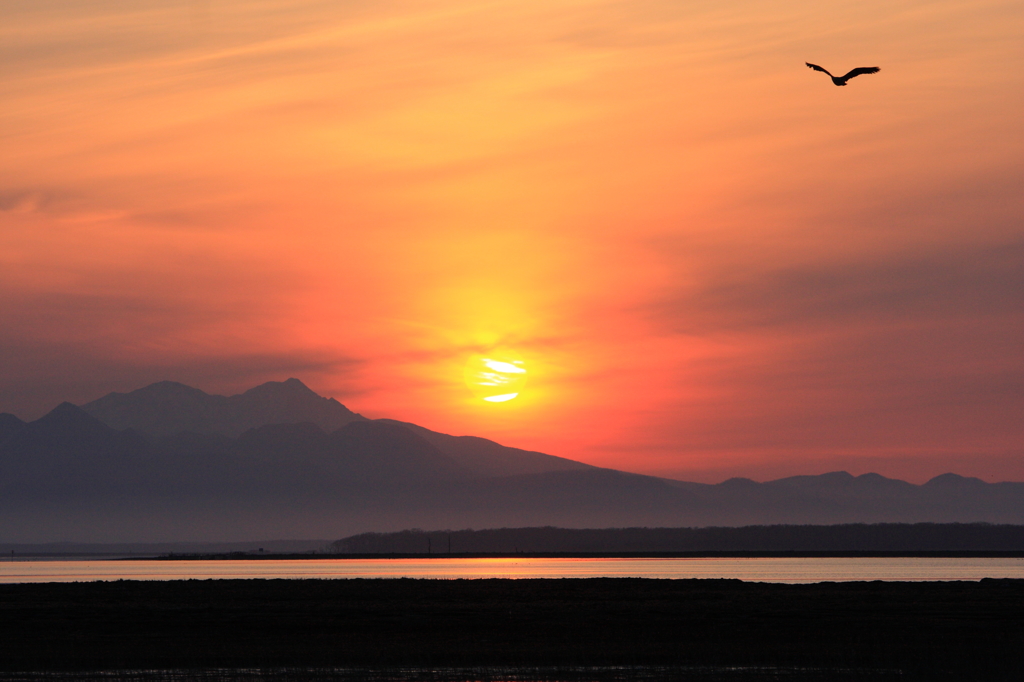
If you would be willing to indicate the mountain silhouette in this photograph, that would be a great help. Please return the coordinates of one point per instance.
(71, 477)
(9, 425)
(68, 455)
(185, 414)
(364, 451)
(486, 458)
(168, 407)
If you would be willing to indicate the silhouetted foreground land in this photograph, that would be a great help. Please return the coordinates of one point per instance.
(927, 631)
(842, 540)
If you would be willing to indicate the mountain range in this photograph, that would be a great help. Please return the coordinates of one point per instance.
(171, 463)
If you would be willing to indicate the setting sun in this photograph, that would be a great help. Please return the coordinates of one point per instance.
(495, 378)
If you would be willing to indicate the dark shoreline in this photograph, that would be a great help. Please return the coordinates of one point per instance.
(474, 674)
(728, 629)
(755, 554)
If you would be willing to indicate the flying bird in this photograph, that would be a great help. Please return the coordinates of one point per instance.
(841, 80)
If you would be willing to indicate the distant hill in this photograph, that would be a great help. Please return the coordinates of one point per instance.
(859, 537)
(168, 407)
(170, 463)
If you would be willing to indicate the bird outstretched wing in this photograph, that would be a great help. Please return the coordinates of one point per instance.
(818, 68)
(861, 70)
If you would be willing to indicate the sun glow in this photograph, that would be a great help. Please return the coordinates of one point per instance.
(496, 377)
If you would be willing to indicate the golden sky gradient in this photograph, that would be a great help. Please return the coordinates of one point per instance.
(712, 261)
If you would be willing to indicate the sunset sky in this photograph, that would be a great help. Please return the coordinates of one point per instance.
(711, 261)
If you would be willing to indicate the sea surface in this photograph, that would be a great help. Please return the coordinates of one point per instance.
(760, 569)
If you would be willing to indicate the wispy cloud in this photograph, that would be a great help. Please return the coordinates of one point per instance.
(961, 285)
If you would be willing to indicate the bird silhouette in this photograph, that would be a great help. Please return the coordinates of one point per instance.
(841, 80)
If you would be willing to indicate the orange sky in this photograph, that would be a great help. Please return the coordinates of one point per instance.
(712, 261)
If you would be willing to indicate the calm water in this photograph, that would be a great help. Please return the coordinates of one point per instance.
(775, 570)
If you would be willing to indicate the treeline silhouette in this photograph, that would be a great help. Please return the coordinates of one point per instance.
(854, 537)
